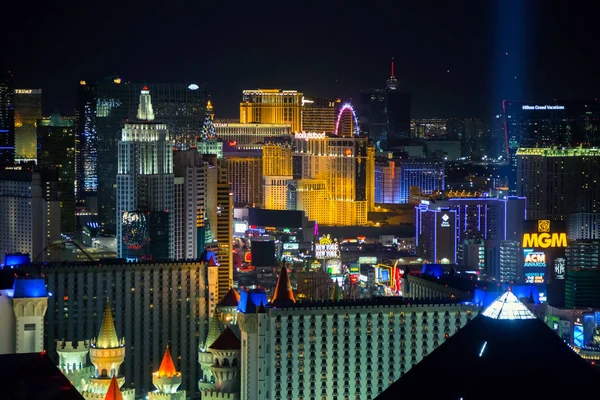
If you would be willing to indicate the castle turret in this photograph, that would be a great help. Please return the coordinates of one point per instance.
(283, 294)
(22, 311)
(227, 307)
(226, 367)
(107, 353)
(113, 392)
(205, 357)
(167, 380)
(73, 363)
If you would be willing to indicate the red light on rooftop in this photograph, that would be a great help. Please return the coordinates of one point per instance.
(145, 88)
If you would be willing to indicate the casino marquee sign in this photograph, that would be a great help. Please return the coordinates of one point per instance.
(545, 237)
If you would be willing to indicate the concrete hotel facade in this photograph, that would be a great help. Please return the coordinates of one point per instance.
(346, 349)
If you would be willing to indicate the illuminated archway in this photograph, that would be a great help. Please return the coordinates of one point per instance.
(346, 107)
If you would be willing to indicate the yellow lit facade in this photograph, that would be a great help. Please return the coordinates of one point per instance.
(311, 196)
(346, 166)
(272, 106)
(275, 190)
(319, 115)
(277, 160)
(219, 200)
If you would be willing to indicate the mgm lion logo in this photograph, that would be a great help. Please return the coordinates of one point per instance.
(544, 225)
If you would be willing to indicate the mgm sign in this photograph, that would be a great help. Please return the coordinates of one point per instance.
(544, 238)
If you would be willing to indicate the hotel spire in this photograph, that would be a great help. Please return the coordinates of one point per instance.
(145, 112)
(107, 338)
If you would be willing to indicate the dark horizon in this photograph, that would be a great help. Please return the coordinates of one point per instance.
(456, 60)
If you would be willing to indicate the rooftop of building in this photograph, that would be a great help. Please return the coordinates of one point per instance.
(231, 299)
(467, 283)
(227, 340)
(33, 376)
(559, 152)
(497, 355)
(372, 302)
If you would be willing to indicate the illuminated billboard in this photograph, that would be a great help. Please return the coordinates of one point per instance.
(136, 235)
(327, 248)
(367, 260)
(544, 242)
(240, 227)
(334, 267)
(559, 267)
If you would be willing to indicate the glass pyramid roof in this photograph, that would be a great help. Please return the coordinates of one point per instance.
(508, 306)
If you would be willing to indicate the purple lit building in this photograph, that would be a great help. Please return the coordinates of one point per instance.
(481, 233)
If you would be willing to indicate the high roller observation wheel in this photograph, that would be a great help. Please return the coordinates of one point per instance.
(346, 107)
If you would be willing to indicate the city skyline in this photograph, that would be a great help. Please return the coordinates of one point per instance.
(456, 60)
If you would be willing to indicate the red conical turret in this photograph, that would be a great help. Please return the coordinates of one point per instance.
(283, 294)
(114, 393)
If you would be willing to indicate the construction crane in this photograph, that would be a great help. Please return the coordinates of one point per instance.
(62, 244)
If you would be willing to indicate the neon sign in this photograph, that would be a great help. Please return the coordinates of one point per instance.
(309, 135)
(534, 277)
(542, 107)
(559, 268)
(326, 248)
(23, 91)
(544, 240)
(445, 221)
(535, 259)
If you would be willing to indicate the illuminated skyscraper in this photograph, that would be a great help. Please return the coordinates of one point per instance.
(28, 109)
(276, 170)
(7, 119)
(29, 212)
(86, 151)
(244, 172)
(272, 106)
(319, 115)
(145, 187)
(179, 106)
(56, 140)
(310, 196)
(556, 123)
(219, 210)
(561, 184)
(346, 165)
(385, 114)
(244, 134)
(277, 160)
(427, 175)
(190, 170)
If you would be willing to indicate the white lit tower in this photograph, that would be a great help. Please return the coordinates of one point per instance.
(22, 311)
(145, 187)
(73, 363)
(167, 380)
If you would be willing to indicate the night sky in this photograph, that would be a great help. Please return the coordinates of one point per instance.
(457, 58)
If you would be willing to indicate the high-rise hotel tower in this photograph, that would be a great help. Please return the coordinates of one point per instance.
(145, 187)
